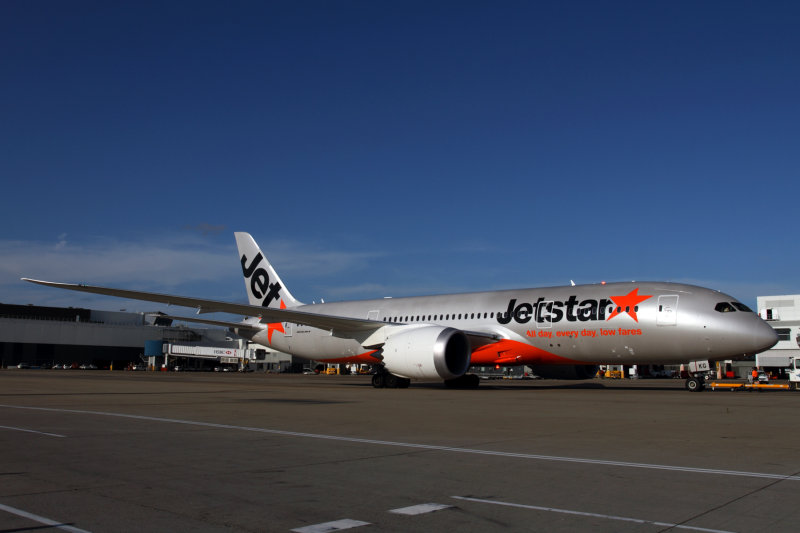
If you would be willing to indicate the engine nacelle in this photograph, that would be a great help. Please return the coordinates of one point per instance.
(427, 352)
(565, 371)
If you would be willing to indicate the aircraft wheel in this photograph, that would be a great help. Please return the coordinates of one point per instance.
(694, 384)
(391, 381)
(379, 381)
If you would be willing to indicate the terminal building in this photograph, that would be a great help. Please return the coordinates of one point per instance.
(39, 336)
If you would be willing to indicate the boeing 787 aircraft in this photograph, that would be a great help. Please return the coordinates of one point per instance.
(560, 332)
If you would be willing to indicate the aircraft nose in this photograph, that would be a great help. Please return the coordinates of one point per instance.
(741, 334)
(765, 337)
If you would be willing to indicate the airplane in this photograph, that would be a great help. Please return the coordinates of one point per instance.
(562, 332)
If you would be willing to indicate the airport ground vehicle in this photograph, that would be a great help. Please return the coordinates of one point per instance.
(794, 374)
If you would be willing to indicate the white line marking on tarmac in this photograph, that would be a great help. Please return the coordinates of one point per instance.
(41, 519)
(420, 509)
(591, 515)
(338, 525)
(427, 447)
(32, 431)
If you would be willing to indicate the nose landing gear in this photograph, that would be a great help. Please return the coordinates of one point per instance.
(696, 384)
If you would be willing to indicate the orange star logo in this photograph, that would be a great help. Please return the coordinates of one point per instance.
(628, 303)
(275, 326)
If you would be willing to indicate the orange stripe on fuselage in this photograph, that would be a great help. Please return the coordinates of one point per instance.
(364, 358)
(508, 352)
(504, 352)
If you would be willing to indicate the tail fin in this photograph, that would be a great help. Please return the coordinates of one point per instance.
(264, 287)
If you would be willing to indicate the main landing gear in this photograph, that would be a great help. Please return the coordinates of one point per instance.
(387, 380)
(695, 383)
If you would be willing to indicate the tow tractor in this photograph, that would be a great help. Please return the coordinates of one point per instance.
(762, 380)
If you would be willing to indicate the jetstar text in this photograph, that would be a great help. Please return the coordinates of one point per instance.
(548, 311)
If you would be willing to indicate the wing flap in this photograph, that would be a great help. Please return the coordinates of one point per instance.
(242, 326)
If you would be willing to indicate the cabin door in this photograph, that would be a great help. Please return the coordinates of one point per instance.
(667, 310)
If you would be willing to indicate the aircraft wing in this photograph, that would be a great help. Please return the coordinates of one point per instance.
(329, 322)
(339, 326)
(477, 339)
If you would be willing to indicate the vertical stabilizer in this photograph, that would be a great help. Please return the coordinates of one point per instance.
(264, 287)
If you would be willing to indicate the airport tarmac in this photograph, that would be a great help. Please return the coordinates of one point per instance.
(138, 451)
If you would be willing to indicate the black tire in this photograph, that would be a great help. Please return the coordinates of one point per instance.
(391, 381)
(379, 381)
(694, 385)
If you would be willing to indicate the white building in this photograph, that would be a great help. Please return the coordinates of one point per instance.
(783, 314)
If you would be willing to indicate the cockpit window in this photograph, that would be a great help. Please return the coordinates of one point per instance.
(741, 307)
(724, 307)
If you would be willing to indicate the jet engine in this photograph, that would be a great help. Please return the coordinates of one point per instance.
(427, 352)
(565, 371)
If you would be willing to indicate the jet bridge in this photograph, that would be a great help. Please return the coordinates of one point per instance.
(222, 355)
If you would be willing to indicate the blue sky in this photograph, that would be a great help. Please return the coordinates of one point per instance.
(398, 148)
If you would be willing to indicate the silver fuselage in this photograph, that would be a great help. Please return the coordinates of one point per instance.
(614, 323)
